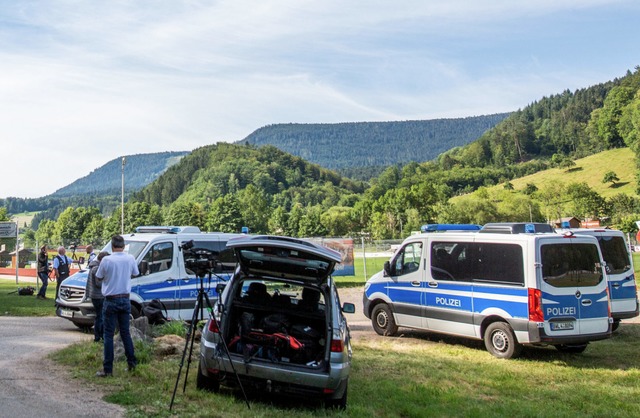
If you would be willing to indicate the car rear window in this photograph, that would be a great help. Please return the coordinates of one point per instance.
(614, 253)
(571, 264)
(283, 262)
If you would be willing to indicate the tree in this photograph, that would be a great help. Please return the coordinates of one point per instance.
(610, 177)
(224, 215)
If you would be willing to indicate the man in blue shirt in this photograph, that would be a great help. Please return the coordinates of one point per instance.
(115, 273)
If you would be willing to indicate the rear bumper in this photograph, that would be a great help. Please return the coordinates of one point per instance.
(538, 335)
(626, 315)
(294, 380)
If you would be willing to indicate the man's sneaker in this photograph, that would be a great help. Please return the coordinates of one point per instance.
(102, 373)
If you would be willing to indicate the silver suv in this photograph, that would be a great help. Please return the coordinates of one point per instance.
(282, 323)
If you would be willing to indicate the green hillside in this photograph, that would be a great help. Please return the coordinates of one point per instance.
(589, 170)
(365, 145)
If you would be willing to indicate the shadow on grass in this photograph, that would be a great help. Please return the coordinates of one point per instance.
(618, 185)
(615, 353)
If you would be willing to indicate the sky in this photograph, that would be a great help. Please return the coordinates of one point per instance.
(82, 83)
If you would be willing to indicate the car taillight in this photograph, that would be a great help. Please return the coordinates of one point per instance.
(535, 305)
(608, 302)
(337, 346)
(213, 326)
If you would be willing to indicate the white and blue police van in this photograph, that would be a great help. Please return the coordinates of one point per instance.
(619, 267)
(509, 285)
(164, 273)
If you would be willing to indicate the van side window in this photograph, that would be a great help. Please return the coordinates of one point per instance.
(408, 259)
(159, 257)
(571, 265)
(484, 262)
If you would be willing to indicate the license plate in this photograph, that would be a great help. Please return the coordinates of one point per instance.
(561, 326)
(66, 314)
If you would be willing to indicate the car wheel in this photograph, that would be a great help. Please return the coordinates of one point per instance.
(340, 403)
(135, 312)
(501, 341)
(615, 325)
(206, 383)
(572, 349)
(382, 320)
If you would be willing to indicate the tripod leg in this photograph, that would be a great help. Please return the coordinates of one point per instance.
(189, 339)
(197, 315)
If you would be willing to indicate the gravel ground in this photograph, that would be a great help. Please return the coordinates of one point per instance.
(32, 385)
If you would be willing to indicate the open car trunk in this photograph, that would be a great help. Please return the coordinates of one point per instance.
(278, 322)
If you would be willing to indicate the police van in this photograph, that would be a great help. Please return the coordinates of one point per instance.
(164, 273)
(620, 273)
(508, 289)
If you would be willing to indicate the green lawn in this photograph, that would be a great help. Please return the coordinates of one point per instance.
(15, 305)
(416, 375)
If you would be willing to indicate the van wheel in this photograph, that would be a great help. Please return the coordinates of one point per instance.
(382, 320)
(206, 383)
(135, 312)
(571, 349)
(501, 341)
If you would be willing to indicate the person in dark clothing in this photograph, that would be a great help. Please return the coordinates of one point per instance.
(43, 272)
(94, 292)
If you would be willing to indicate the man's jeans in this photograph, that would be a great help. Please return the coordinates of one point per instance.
(116, 312)
(44, 276)
(98, 326)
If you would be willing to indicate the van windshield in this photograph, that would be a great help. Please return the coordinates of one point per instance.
(132, 247)
(571, 265)
(614, 253)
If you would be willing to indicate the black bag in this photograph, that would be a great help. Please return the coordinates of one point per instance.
(156, 312)
(26, 291)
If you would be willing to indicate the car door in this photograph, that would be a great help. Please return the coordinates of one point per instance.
(405, 288)
(573, 285)
(161, 278)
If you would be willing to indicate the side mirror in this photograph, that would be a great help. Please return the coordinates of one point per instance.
(143, 267)
(387, 269)
(348, 307)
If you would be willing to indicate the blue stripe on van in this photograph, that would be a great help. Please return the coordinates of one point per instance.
(626, 290)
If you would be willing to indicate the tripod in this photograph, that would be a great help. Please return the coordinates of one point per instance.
(198, 313)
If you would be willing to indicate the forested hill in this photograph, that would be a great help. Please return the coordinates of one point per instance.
(139, 171)
(373, 144)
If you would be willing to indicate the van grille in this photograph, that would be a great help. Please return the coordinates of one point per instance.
(71, 294)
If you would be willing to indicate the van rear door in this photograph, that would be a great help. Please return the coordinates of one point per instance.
(573, 285)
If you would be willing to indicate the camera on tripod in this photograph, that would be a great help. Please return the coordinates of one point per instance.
(199, 260)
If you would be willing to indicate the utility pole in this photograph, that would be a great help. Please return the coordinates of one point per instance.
(122, 200)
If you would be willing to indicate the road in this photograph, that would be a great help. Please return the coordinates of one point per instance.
(32, 385)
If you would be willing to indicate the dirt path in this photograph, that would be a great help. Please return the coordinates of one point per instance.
(33, 385)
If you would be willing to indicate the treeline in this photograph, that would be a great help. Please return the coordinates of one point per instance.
(360, 145)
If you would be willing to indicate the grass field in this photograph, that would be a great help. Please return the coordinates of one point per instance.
(590, 170)
(415, 375)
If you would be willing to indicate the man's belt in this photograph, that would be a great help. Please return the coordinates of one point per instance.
(121, 295)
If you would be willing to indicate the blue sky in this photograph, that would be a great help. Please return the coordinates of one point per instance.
(82, 83)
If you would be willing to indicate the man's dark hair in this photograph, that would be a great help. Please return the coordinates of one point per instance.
(117, 241)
